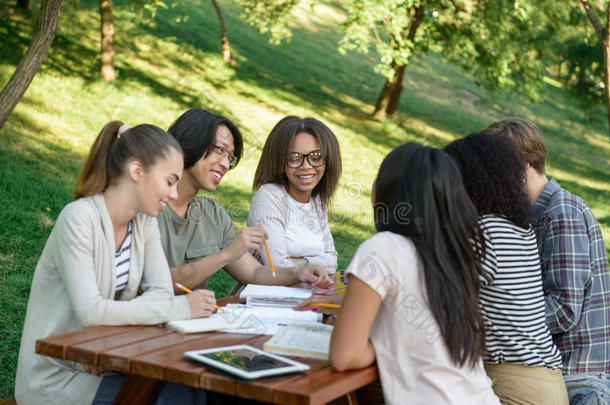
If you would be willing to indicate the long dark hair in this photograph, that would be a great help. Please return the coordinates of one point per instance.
(271, 165)
(110, 153)
(494, 175)
(419, 194)
(195, 130)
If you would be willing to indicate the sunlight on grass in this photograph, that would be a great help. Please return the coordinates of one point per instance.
(168, 65)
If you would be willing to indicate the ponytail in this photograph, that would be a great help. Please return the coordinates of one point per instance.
(110, 153)
(93, 177)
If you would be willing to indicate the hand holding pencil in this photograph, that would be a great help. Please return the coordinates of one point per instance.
(328, 304)
(202, 302)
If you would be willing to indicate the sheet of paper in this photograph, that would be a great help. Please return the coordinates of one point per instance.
(272, 291)
(264, 320)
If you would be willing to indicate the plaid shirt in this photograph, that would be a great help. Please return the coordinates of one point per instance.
(576, 279)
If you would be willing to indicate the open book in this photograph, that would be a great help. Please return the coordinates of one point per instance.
(238, 318)
(274, 296)
(302, 339)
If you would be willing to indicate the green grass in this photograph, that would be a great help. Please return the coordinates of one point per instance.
(165, 67)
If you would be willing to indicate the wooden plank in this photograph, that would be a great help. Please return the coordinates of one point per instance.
(137, 390)
(119, 358)
(54, 346)
(263, 390)
(87, 352)
(169, 363)
(325, 385)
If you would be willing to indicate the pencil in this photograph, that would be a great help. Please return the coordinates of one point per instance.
(188, 291)
(268, 255)
(324, 305)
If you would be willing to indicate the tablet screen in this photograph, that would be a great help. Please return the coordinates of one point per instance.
(246, 359)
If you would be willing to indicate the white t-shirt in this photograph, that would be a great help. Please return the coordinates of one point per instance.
(294, 229)
(413, 361)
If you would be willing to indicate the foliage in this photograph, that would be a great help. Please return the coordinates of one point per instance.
(269, 16)
(170, 66)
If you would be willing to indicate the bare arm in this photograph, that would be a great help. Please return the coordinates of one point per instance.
(195, 273)
(350, 347)
(247, 270)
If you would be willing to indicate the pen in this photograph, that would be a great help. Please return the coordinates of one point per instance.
(268, 255)
(324, 305)
(188, 291)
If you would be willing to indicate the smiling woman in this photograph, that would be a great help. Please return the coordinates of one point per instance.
(103, 248)
(296, 178)
(197, 234)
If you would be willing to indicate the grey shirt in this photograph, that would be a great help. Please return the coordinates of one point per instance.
(206, 229)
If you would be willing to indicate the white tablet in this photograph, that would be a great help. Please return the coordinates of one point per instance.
(246, 362)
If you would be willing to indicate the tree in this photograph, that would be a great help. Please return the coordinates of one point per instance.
(269, 17)
(485, 37)
(107, 71)
(226, 46)
(603, 32)
(44, 34)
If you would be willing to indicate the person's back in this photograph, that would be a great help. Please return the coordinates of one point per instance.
(519, 344)
(414, 364)
(576, 277)
(412, 297)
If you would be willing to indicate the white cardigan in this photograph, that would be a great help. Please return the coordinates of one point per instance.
(74, 287)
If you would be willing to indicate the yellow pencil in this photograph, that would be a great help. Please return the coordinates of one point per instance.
(269, 255)
(324, 305)
(188, 291)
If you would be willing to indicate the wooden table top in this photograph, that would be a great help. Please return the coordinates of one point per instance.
(157, 352)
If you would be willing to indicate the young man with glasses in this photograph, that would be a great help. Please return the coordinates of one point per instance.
(197, 234)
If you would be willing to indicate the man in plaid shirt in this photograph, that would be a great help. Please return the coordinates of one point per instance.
(574, 271)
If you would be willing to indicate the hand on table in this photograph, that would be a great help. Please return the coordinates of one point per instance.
(326, 299)
(315, 276)
(202, 303)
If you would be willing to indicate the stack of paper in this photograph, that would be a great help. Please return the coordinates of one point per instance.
(302, 339)
(244, 319)
(274, 296)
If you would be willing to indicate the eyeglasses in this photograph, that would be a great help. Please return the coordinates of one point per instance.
(219, 150)
(295, 159)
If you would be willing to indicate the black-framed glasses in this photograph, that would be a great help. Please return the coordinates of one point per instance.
(295, 160)
(219, 150)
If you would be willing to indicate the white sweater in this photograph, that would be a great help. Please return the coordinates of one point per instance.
(74, 287)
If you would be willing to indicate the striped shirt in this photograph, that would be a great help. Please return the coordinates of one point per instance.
(576, 279)
(511, 299)
(121, 261)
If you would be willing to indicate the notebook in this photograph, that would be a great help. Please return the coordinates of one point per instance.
(274, 296)
(302, 340)
(238, 318)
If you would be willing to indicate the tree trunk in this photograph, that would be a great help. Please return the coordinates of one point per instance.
(24, 5)
(383, 102)
(31, 61)
(226, 47)
(606, 51)
(389, 98)
(107, 50)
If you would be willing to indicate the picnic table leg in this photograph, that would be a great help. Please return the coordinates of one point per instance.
(137, 390)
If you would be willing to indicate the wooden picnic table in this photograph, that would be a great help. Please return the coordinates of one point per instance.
(151, 354)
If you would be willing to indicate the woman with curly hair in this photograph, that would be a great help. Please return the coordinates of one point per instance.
(521, 358)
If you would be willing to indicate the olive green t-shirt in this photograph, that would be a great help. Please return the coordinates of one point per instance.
(206, 229)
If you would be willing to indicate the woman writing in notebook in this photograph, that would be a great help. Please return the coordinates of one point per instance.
(295, 180)
(103, 248)
(412, 297)
(197, 234)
